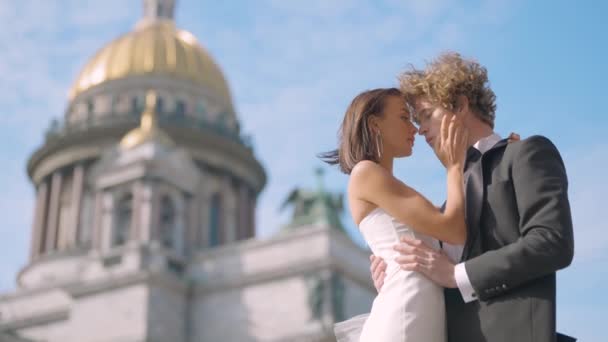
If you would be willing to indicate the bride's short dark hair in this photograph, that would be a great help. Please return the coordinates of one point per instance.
(355, 138)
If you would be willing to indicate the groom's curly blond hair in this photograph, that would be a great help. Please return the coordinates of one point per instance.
(445, 79)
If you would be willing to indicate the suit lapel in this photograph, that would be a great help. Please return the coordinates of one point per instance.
(475, 193)
(500, 144)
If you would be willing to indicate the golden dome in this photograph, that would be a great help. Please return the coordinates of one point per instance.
(158, 48)
(148, 130)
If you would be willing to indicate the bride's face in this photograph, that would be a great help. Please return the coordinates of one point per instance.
(396, 128)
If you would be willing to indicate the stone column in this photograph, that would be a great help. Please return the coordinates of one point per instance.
(53, 218)
(77, 187)
(97, 216)
(204, 214)
(145, 208)
(221, 226)
(193, 226)
(39, 221)
(132, 236)
(327, 305)
(251, 214)
(138, 196)
(243, 212)
(180, 225)
(106, 220)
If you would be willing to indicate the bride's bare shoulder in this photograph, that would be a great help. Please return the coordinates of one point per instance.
(365, 169)
(366, 173)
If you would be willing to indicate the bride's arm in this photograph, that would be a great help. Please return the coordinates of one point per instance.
(377, 186)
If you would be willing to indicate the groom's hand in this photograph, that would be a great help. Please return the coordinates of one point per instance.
(378, 271)
(417, 256)
(514, 137)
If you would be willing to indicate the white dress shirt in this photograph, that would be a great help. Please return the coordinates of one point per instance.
(454, 252)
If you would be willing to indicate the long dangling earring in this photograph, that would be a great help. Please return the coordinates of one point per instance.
(379, 146)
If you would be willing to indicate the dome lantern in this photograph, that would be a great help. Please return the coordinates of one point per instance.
(155, 10)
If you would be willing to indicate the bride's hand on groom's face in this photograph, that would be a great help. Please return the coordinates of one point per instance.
(452, 141)
(415, 255)
(378, 271)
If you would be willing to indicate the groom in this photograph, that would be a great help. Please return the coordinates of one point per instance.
(500, 286)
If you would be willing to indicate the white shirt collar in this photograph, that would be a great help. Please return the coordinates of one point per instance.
(484, 144)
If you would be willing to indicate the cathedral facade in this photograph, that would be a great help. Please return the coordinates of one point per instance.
(143, 229)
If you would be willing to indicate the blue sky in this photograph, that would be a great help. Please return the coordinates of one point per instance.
(293, 66)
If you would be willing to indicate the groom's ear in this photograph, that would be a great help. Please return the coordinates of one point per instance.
(462, 105)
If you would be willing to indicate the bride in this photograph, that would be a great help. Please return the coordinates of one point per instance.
(376, 129)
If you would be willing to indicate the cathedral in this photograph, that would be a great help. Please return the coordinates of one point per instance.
(145, 202)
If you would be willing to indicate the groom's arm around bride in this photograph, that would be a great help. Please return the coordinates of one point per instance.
(534, 201)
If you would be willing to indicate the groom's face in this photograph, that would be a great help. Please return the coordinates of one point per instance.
(429, 120)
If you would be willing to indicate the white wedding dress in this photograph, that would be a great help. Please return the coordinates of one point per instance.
(409, 307)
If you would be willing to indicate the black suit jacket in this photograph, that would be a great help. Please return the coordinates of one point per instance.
(522, 236)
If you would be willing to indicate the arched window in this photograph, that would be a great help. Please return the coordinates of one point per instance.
(221, 123)
(136, 105)
(222, 120)
(167, 222)
(215, 220)
(160, 105)
(115, 104)
(90, 107)
(180, 108)
(122, 224)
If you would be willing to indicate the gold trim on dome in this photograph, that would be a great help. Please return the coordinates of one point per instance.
(158, 48)
(148, 129)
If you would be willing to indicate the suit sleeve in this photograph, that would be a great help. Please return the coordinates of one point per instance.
(546, 241)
